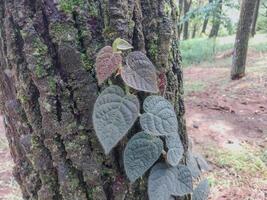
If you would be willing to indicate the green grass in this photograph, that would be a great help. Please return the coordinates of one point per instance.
(260, 47)
(244, 161)
(195, 86)
(198, 50)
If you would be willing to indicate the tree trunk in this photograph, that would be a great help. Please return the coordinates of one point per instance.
(255, 17)
(187, 5)
(194, 31)
(205, 24)
(216, 21)
(206, 21)
(48, 88)
(242, 38)
(180, 26)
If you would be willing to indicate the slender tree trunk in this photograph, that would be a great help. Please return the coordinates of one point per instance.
(194, 31)
(216, 22)
(180, 27)
(242, 38)
(205, 24)
(255, 17)
(187, 5)
(48, 88)
(206, 21)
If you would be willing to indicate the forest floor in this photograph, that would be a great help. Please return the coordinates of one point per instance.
(227, 121)
(9, 189)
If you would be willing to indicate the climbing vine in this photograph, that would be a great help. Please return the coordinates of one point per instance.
(157, 147)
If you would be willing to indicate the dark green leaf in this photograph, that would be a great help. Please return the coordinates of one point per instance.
(202, 191)
(165, 182)
(160, 118)
(114, 114)
(141, 152)
(176, 149)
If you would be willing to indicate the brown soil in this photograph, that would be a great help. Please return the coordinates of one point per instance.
(227, 115)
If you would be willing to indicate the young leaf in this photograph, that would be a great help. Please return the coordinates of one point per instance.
(164, 182)
(192, 165)
(160, 118)
(202, 163)
(196, 164)
(120, 44)
(106, 63)
(141, 152)
(162, 82)
(114, 114)
(176, 149)
(202, 191)
(139, 73)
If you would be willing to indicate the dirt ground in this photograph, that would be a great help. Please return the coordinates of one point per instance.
(227, 121)
(9, 189)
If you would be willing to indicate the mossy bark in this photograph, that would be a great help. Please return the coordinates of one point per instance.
(48, 88)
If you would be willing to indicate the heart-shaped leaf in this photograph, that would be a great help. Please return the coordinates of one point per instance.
(164, 182)
(176, 149)
(192, 164)
(139, 73)
(196, 164)
(106, 63)
(120, 44)
(114, 114)
(141, 152)
(202, 191)
(160, 118)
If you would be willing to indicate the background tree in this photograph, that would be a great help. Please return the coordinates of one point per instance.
(180, 26)
(242, 38)
(206, 20)
(48, 88)
(216, 19)
(187, 5)
(255, 17)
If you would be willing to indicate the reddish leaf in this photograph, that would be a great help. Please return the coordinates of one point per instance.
(162, 82)
(106, 63)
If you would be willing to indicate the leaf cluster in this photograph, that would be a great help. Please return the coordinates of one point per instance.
(158, 146)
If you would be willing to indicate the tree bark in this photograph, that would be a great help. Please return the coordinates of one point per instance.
(48, 89)
(187, 5)
(216, 21)
(255, 17)
(242, 38)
